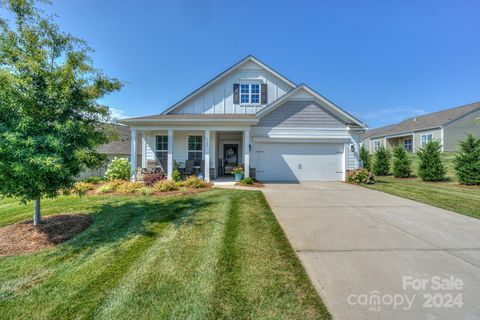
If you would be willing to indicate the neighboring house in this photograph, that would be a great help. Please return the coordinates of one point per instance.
(253, 116)
(115, 149)
(447, 126)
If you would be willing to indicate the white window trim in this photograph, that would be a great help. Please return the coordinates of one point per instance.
(426, 139)
(411, 144)
(159, 150)
(375, 143)
(200, 151)
(250, 103)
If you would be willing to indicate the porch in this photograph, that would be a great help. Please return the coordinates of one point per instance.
(406, 141)
(215, 151)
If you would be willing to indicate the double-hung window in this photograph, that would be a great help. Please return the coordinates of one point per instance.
(249, 93)
(377, 144)
(161, 151)
(195, 149)
(426, 138)
(408, 144)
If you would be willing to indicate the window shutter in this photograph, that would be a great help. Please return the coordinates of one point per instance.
(236, 93)
(264, 94)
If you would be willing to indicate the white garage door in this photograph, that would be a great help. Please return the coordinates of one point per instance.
(299, 161)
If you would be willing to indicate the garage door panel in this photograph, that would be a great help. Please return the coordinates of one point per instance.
(299, 162)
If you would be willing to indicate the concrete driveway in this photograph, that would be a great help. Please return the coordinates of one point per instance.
(371, 255)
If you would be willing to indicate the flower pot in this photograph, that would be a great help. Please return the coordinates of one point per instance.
(238, 177)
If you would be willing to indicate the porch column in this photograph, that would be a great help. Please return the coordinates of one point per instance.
(246, 152)
(133, 154)
(170, 155)
(206, 147)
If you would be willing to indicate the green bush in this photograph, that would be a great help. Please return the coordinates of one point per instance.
(381, 165)
(81, 188)
(129, 187)
(176, 175)
(247, 181)
(165, 186)
(94, 180)
(118, 169)
(365, 157)
(145, 191)
(360, 176)
(402, 165)
(430, 167)
(467, 162)
(106, 188)
(194, 182)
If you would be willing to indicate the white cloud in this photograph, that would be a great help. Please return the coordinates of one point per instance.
(117, 113)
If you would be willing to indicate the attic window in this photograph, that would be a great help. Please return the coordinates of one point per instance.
(249, 93)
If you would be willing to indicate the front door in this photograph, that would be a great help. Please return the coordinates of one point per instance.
(230, 157)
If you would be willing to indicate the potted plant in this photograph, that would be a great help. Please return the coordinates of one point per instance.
(238, 172)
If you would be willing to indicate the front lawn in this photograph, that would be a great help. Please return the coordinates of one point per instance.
(447, 195)
(216, 254)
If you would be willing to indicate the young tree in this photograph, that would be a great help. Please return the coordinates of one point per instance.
(365, 157)
(431, 167)
(467, 162)
(402, 166)
(50, 120)
(381, 165)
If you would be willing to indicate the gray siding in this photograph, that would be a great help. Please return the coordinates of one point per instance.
(351, 158)
(458, 130)
(300, 114)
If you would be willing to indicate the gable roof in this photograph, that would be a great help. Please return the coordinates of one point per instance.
(427, 121)
(354, 122)
(225, 73)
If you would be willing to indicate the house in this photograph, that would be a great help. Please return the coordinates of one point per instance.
(119, 148)
(253, 116)
(448, 126)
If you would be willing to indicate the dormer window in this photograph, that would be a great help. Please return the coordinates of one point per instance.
(249, 93)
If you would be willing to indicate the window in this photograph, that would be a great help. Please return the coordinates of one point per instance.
(161, 151)
(408, 144)
(250, 93)
(195, 150)
(426, 138)
(377, 144)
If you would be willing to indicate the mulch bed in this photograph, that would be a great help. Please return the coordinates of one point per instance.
(24, 237)
(256, 184)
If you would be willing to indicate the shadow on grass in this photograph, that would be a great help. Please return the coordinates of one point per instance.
(113, 222)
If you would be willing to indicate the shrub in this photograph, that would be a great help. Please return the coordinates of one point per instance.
(145, 191)
(165, 186)
(176, 175)
(402, 166)
(360, 176)
(81, 188)
(106, 188)
(194, 182)
(365, 157)
(467, 162)
(381, 165)
(431, 167)
(248, 181)
(129, 187)
(110, 186)
(94, 180)
(118, 169)
(151, 178)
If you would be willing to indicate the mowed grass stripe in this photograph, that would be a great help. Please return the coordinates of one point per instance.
(213, 255)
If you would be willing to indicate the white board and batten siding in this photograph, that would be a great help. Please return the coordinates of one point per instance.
(218, 98)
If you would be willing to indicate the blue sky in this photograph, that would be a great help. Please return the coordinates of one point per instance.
(380, 60)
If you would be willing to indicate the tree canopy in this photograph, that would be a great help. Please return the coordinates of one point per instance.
(50, 119)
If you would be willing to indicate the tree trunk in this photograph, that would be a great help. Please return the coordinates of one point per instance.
(36, 212)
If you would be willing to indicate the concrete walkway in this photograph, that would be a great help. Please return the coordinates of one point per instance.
(361, 247)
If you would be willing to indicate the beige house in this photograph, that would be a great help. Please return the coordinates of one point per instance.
(447, 126)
